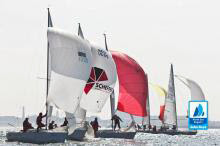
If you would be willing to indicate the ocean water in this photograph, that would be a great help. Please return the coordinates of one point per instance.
(203, 138)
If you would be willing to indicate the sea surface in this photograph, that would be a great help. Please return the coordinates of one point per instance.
(206, 138)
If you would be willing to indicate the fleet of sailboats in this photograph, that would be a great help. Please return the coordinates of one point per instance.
(81, 78)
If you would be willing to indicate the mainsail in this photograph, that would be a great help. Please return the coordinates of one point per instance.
(70, 68)
(101, 81)
(170, 117)
(133, 87)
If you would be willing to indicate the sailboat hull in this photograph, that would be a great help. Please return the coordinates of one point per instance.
(58, 135)
(34, 137)
(170, 132)
(115, 134)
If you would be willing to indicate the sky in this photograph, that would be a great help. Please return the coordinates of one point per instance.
(153, 32)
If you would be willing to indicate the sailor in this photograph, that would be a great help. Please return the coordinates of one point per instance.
(27, 125)
(95, 126)
(116, 120)
(149, 126)
(39, 121)
(51, 125)
(174, 127)
(144, 127)
(65, 122)
(139, 127)
(154, 128)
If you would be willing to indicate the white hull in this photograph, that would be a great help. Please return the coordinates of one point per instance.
(46, 136)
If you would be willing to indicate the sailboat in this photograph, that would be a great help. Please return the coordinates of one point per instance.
(133, 92)
(168, 114)
(65, 83)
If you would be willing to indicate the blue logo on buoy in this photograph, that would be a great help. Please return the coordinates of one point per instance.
(198, 111)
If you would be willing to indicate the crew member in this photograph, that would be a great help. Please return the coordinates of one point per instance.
(39, 121)
(27, 125)
(116, 120)
(95, 126)
(64, 123)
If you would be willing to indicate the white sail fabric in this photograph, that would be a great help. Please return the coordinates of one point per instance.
(70, 68)
(195, 90)
(146, 120)
(101, 82)
(75, 120)
(170, 102)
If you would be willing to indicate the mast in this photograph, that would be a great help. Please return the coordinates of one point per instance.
(111, 96)
(49, 24)
(171, 70)
(80, 33)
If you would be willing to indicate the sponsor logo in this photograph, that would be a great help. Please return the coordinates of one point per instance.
(102, 53)
(82, 57)
(96, 76)
(198, 115)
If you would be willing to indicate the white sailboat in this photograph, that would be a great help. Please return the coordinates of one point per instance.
(68, 67)
(170, 113)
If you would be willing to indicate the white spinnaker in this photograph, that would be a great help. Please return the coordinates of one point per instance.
(170, 102)
(96, 97)
(195, 90)
(70, 68)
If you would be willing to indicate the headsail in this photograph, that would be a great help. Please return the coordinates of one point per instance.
(133, 87)
(170, 117)
(75, 120)
(101, 82)
(70, 67)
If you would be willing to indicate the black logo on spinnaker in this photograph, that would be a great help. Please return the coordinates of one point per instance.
(82, 57)
(96, 76)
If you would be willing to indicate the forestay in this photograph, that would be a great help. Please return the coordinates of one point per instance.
(101, 82)
(170, 102)
(70, 68)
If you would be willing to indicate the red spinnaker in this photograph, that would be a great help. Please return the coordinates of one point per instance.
(162, 109)
(133, 87)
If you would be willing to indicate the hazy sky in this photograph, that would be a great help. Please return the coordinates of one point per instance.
(153, 32)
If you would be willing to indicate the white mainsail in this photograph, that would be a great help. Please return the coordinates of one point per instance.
(101, 82)
(170, 117)
(70, 68)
